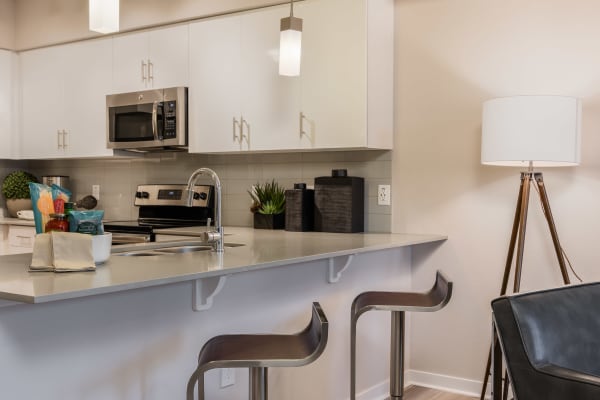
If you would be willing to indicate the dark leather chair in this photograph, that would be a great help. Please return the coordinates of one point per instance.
(259, 352)
(551, 342)
(396, 302)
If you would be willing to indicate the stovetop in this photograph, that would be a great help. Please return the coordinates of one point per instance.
(164, 206)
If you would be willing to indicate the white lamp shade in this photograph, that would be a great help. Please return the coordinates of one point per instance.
(104, 16)
(290, 51)
(543, 130)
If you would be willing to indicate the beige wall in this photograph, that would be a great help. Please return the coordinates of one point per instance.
(450, 57)
(7, 24)
(43, 22)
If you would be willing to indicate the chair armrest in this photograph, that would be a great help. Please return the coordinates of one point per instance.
(569, 374)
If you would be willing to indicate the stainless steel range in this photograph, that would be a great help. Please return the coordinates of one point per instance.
(163, 206)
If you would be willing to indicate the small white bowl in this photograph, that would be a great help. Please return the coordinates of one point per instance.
(101, 245)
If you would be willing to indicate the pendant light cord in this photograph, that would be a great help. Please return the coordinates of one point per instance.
(291, 8)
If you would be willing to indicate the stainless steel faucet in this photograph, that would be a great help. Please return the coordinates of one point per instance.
(214, 237)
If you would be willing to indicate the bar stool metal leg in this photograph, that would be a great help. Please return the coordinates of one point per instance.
(259, 383)
(353, 321)
(397, 356)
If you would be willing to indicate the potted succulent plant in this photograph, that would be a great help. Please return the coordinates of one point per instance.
(268, 205)
(15, 189)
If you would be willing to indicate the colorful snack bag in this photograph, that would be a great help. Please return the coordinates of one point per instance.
(89, 222)
(60, 196)
(42, 204)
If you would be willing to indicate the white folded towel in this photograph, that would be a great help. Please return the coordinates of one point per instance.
(62, 252)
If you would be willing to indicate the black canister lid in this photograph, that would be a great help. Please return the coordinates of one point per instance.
(339, 173)
(300, 186)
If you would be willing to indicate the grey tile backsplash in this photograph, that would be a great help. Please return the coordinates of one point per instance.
(118, 177)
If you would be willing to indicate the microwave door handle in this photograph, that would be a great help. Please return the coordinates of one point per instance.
(155, 120)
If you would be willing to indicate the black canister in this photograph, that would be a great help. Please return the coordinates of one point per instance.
(339, 203)
(299, 208)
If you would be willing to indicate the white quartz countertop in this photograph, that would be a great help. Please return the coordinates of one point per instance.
(261, 249)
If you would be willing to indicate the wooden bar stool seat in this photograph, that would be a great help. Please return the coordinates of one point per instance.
(259, 352)
(396, 302)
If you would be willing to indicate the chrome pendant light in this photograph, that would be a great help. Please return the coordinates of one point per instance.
(290, 44)
(104, 16)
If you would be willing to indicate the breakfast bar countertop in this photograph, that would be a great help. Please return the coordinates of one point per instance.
(261, 249)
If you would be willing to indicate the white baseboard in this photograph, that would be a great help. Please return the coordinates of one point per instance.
(377, 392)
(446, 383)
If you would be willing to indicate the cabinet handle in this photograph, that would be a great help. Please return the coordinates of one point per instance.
(244, 122)
(236, 137)
(64, 135)
(144, 77)
(59, 143)
(302, 118)
(150, 71)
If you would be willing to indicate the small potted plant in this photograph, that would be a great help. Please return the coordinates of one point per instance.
(15, 189)
(268, 205)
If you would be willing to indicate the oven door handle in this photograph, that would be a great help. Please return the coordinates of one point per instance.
(155, 120)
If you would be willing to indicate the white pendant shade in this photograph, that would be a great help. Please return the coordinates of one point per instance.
(104, 16)
(543, 130)
(290, 51)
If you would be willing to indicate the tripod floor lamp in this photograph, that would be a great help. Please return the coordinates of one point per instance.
(528, 131)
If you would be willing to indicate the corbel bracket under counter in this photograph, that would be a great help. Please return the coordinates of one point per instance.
(336, 270)
(204, 291)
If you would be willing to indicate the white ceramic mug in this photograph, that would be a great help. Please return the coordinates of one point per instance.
(25, 214)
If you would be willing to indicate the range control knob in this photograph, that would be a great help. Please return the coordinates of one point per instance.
(138, 195)
(196, 196)
(145, 195)
(203, 195)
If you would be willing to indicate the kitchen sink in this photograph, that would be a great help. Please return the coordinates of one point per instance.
(170, 249)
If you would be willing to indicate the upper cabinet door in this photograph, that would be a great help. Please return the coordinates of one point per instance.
(215, 86)
(270, 102)
(7, 107)
(150, 60)
(130, 62)
(87, 79)
(42, 117)
(168, 55)
(347, 73)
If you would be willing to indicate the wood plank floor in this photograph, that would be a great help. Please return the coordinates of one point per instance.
(421, 393)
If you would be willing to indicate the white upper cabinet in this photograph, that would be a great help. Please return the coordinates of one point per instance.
(214, 109)
(270, 102)
(8, 92)
(150, 59)
(347, 73)
(63, 100)
(343, 98)
(237, 99)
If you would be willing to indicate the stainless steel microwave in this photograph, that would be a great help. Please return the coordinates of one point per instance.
(149, 120)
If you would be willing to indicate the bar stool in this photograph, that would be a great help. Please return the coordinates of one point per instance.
(397, 303)
(259, 352)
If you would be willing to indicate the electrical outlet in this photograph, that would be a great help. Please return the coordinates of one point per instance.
(384, 194)
(96, 191)
(227, 377)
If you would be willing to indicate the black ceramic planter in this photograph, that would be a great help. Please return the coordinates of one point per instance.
(269, 221)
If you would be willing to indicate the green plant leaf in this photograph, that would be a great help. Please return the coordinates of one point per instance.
(16, 185)
(268, 198)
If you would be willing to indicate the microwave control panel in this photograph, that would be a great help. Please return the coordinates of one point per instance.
(170, 119)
